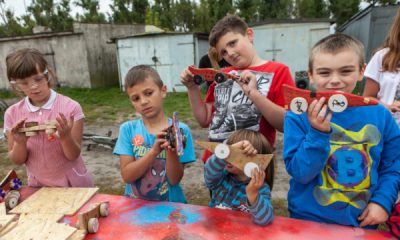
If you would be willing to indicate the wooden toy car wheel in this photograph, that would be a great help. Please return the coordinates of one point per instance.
(222, 151)
(298, 105)
(198, 79)
(248, 168)
(219, 77)
(104, 209)
(337, 103)
(11, 199)
(93, 225)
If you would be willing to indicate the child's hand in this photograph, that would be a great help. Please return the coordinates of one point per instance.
(246, 147)
(256, 182)
(18, 137)
(248, 82)
(373, 214)
(64, 126)
(187, 78)
(317, 115)
(160, 143)
(394, 107)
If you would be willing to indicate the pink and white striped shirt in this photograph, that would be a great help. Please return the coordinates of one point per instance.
(46, 164)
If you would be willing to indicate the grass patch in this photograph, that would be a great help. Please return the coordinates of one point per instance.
(113, 105)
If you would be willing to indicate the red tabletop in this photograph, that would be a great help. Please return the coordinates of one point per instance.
(139, 219)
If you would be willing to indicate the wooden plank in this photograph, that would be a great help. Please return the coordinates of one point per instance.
(237, 158)
(65, 201)
(5, 220)
(8, 228)
(38, 230)
(78, 235)
(3, 210)
(40, 216)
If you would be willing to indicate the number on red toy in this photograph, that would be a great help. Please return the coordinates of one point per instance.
(337, 103)
(298, 105)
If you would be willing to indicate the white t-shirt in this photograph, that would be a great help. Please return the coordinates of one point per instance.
(387, 81)
(389, 89)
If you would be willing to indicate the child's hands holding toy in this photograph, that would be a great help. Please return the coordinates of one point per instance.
(256, 182)
(64, 126)
(18, 137)
(187, 78)
(248, 82)
(318, 117)
(246, 147)
(373, 214)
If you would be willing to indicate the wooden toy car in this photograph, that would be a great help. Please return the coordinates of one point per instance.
(175, 135)
(9, 189)
(89, 221)
(209, 74)
(297, 100)
(236, 157)
(32, 128)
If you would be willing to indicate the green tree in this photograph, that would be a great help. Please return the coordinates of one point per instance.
(129, 11)
(55, 16)
(342, 10)
(163, 9)
(311, 9)
(247, 9)
(11, 25)
(202, 19)
(219, 9)
(184, 11)
(91, 13)
(274, 9)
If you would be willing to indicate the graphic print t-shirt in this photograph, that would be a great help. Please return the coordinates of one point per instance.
(134, 140)
(233, 109)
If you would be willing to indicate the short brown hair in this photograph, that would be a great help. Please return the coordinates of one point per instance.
(230, 23)
(335, 43)
(27, 62)
(262, 146)
(139, 73)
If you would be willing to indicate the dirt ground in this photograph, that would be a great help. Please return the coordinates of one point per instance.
(105, 167)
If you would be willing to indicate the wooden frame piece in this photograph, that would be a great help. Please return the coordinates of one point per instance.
(95, 212)
(31, 130)
(237, 158)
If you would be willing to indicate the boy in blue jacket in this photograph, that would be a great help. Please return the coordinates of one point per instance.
(344, 166)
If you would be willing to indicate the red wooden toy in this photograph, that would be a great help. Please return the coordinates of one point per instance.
(297, 100)
(9, 189)
(209, 75)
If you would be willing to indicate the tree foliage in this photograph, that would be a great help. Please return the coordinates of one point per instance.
(343, 10)
(129, 11)
(91, 13)
(173, 15)
(55, 16)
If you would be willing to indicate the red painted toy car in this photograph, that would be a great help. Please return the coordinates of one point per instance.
(297, 100)
(9, 189)
(209, 75)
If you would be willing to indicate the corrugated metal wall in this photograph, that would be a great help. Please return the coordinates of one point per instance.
(289, 43)
(168, 54)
